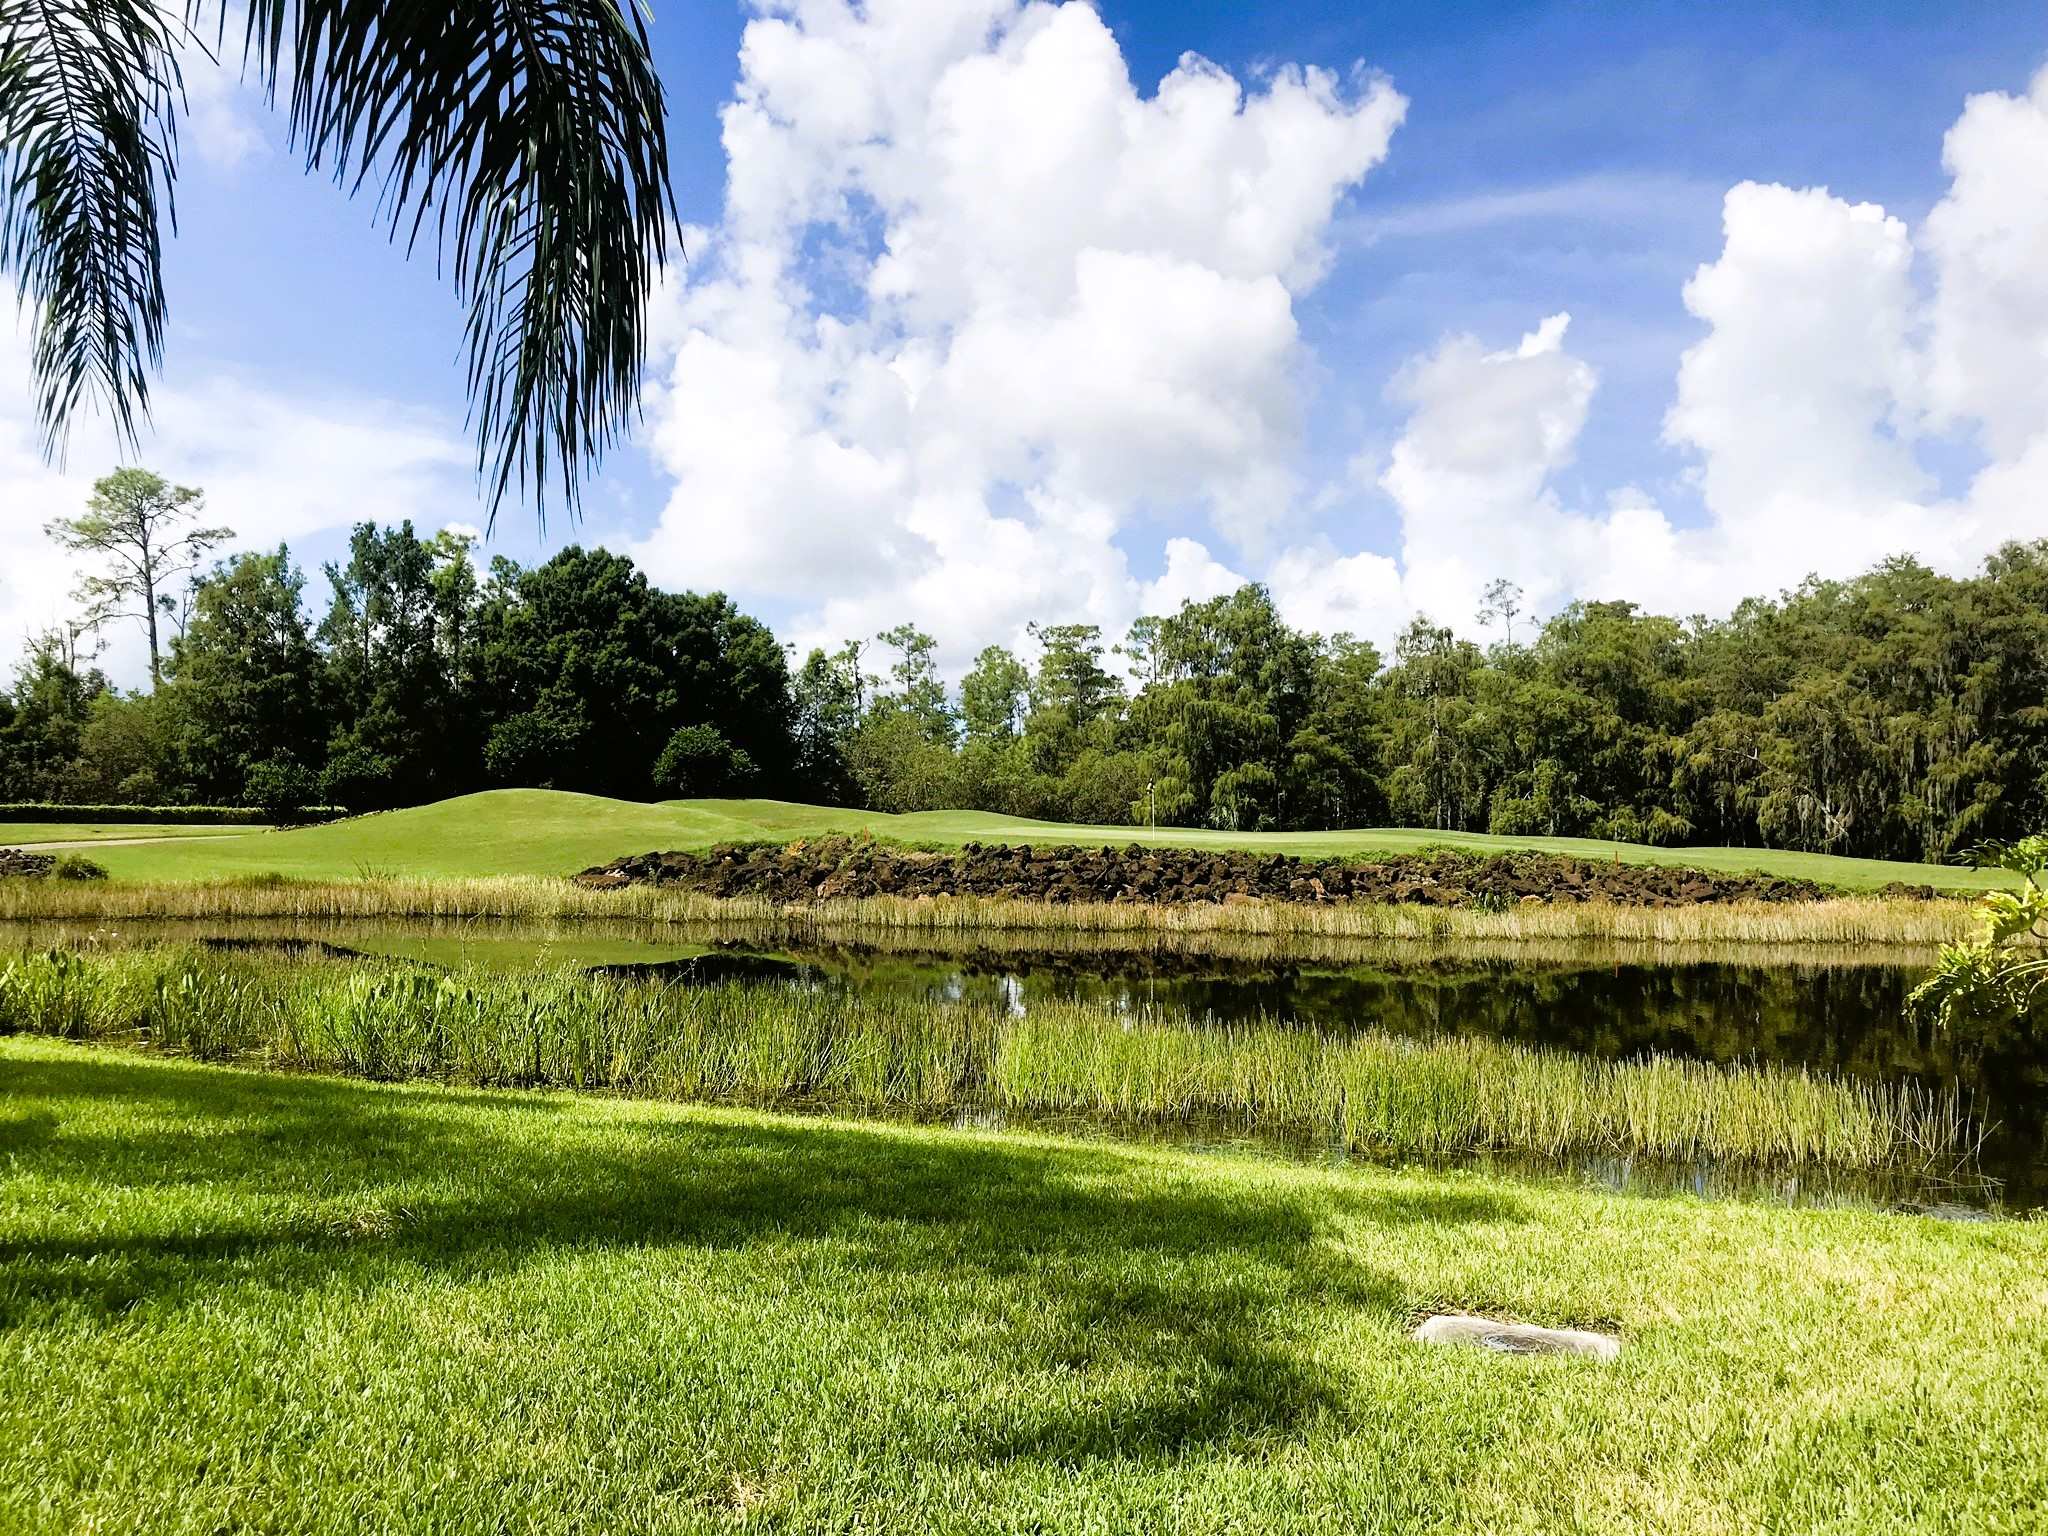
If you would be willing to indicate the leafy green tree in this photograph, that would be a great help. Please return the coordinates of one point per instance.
(993, 697)
(918, 692)
(585, 672)
(1140, 649)
(43, 728)
(139, 527)
(732, 674)
(388, 683)
(899, 766)
(543, 746)
(245, 677)
(995, 767)
(1434, 771)
(1501, 604)
(1102, 787)
(825, 702)
(1543, 800)
(1070, 680)
(1822, 765)
(1581, 734)
(128, 752)
(529, 137)
(1330, 760)
(1234, 685)
(1075, 706)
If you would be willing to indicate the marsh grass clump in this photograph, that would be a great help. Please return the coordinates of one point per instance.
(54, 994)
(1392, 1094)
(779, 1045)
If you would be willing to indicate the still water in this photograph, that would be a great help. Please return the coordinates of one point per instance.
(1830, 1008)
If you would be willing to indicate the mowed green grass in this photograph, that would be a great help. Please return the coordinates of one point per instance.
(548, 832)
(236, 1302)
(26, 834)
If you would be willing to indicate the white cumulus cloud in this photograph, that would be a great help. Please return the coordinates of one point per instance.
(977, 307)
(1837, 347)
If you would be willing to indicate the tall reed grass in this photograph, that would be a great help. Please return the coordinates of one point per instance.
(774, 1045)
(1842, 920)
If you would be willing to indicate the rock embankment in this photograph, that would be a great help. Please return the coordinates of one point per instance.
(20, 862)
(830, 868)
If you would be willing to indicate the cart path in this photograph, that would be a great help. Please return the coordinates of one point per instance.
(123, 842)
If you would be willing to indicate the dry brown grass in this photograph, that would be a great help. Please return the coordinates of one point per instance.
(1842, 920)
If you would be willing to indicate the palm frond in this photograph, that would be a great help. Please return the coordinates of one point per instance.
(87, 153)
(528, 136)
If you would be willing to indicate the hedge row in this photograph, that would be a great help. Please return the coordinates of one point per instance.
(162, 815)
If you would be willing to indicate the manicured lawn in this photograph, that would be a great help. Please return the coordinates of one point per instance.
(22, 834)
(546, 832)
(235, 1302)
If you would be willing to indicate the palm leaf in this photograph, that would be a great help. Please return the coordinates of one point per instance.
(528, 136)
(525, 137)
(87, 149)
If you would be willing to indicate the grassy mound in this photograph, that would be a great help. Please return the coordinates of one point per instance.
(236, 1302)
(549, 832)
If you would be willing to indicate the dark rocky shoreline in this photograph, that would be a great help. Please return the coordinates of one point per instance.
(831, 868)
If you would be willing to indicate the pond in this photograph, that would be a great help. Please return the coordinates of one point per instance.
(1833, 1009)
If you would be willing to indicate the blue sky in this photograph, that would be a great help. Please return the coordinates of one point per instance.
(1552, 158)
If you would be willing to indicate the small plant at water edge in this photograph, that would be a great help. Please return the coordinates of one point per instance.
(1991, 985)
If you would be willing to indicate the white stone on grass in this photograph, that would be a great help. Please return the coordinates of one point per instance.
(1515, 1338)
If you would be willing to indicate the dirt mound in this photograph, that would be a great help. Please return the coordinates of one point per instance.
(28, 866)
(829, 868)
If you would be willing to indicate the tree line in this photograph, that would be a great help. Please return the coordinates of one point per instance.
(1901, 714)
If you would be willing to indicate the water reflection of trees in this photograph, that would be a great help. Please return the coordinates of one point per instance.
(1846, 1019)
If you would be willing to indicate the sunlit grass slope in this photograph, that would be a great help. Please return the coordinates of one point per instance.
(547, 832)
(231, 1301)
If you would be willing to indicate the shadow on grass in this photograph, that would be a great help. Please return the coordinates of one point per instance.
(1195, 1289)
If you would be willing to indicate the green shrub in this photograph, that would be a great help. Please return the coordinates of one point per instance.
(75, 866)
(700, 761)
(280, 787)
(140, 788)
(359, 777)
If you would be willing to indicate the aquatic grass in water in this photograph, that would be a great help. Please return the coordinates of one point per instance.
(1396, 1095)
(776, 1045)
